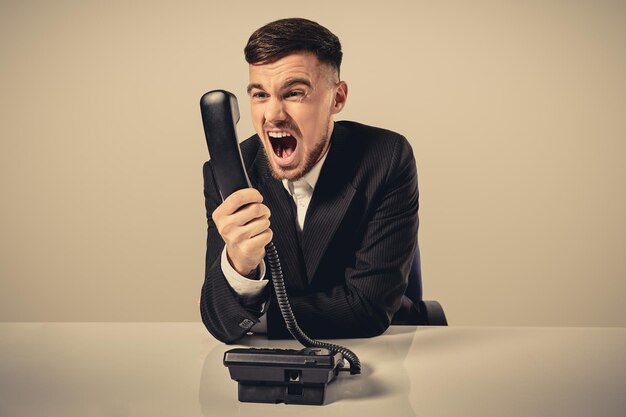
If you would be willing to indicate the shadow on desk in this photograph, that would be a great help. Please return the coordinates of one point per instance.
(383, 379)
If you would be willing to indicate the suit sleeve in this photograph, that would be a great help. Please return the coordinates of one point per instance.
(222, 310)
(376, 281)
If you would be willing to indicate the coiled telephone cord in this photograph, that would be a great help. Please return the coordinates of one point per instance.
(290, 319)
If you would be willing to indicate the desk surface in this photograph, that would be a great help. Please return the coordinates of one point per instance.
(175, 369)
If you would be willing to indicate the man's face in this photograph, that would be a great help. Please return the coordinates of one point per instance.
(293, 101)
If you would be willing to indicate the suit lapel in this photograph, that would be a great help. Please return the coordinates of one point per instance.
(283, 222)
(331, 198)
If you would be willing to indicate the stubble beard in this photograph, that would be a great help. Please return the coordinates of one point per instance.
(297, 172)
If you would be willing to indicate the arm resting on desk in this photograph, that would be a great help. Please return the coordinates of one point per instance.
(422, 313)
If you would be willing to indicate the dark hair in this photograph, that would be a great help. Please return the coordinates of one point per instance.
(285, 36)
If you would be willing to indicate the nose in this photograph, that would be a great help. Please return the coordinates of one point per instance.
(275, 110)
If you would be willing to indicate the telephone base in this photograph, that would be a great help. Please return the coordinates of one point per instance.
(312, 394)
(283, 375)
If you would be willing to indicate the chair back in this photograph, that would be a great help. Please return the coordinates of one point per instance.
(414, 290)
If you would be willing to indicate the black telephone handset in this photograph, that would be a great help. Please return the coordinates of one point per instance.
(220, 114)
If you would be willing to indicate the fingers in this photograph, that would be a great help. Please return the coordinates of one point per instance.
(250, 213)
(243, 222)
(238, 199)
(251, 250)
(236, 234)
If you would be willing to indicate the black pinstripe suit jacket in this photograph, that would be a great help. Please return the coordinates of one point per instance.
(347, 273)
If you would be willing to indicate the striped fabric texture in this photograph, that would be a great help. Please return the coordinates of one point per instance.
(347, 272)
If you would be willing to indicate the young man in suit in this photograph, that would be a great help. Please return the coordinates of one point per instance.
(338, 199)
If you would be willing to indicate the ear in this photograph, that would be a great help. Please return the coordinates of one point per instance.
(341, 96)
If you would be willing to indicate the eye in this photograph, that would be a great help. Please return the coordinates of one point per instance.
(294, 94)
(259, 95)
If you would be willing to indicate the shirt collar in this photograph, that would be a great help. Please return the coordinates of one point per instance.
(310, 177)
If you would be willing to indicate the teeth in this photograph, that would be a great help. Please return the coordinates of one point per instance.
(277, 134)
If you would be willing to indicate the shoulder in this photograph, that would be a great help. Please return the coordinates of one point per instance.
(360, 128)
(375, 148)
(374, 141)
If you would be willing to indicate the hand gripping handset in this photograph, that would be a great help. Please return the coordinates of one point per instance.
(220, 115)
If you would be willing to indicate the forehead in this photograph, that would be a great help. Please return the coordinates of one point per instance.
(303, 65)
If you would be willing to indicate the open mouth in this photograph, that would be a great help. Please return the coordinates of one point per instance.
(283, 144)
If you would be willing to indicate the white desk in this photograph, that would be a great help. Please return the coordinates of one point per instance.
(175, 369)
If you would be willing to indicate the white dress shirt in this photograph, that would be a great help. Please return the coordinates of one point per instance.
(301, 191)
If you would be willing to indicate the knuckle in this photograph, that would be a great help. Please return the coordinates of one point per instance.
(256, 195)
(229, 236)
(215, 216)
(251, 211)
(235, 201)
(238, 198)
(258, 210)
(220, 228)
(226, 229)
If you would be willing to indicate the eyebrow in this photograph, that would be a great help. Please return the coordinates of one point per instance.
(294, 81)
(289, 83)
(254, 85)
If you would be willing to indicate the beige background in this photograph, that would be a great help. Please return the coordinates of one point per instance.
(516, 112)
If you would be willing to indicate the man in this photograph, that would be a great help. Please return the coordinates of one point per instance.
(338, 199)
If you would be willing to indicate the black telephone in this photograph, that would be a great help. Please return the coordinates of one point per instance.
(267, 375)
